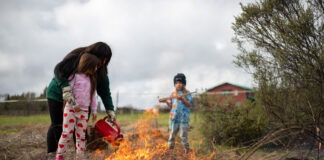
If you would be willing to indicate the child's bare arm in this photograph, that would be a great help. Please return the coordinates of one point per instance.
(94, 104)
(185, 101)
(94, 117)
(166, 100)
(169, 104)
(163, 100)
(77, 108)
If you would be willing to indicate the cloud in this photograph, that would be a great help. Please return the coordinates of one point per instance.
(151, 42)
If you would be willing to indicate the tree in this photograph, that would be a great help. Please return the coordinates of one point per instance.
(43, 95)
(281, 45)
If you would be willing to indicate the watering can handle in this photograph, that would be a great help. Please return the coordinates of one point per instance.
(114, 122)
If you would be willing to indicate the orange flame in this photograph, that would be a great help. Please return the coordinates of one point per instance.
(147, 142)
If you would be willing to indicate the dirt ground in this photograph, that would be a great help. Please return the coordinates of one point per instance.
(24, 142)
(142, 140)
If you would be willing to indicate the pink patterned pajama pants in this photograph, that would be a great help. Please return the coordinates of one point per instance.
(71, 120)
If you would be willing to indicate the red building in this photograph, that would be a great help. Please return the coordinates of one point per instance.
(226, 90)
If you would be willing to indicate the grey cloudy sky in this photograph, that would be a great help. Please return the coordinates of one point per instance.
(152, 40)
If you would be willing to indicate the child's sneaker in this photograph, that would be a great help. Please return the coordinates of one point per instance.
(60, 157)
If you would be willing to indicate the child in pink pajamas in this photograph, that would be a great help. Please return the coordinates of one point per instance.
(76, 115)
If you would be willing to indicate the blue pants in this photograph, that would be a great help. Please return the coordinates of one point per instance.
(174, 128)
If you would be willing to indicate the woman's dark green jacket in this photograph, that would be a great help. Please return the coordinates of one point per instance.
(54, 90)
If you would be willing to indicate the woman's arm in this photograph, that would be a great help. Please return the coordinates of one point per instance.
(103, 90)
(62, 83)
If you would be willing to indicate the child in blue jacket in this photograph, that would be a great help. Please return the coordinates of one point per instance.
(180, 112)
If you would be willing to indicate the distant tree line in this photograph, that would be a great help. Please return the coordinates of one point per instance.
(26, 104)
(26, 96)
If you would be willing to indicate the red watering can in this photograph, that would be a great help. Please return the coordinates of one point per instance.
(108, 131)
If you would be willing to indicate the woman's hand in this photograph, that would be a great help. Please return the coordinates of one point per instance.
(111, 115)
(68, 95)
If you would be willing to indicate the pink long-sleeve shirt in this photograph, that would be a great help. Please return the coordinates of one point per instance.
(81, 88)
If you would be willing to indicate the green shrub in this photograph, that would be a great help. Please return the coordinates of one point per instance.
(229, 124)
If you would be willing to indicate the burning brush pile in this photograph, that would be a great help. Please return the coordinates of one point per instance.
(144, 141)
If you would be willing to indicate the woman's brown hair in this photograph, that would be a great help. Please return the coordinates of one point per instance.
(69, 65)
(88, 63)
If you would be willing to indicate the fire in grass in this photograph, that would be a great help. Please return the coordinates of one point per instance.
(145, 141)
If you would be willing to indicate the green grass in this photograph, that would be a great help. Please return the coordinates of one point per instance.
(163, 120)
(12, 124)
(5, 131)
(24, 120)
(7, 122)
(122, 119)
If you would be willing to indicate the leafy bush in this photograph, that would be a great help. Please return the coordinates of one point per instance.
(230, 124)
